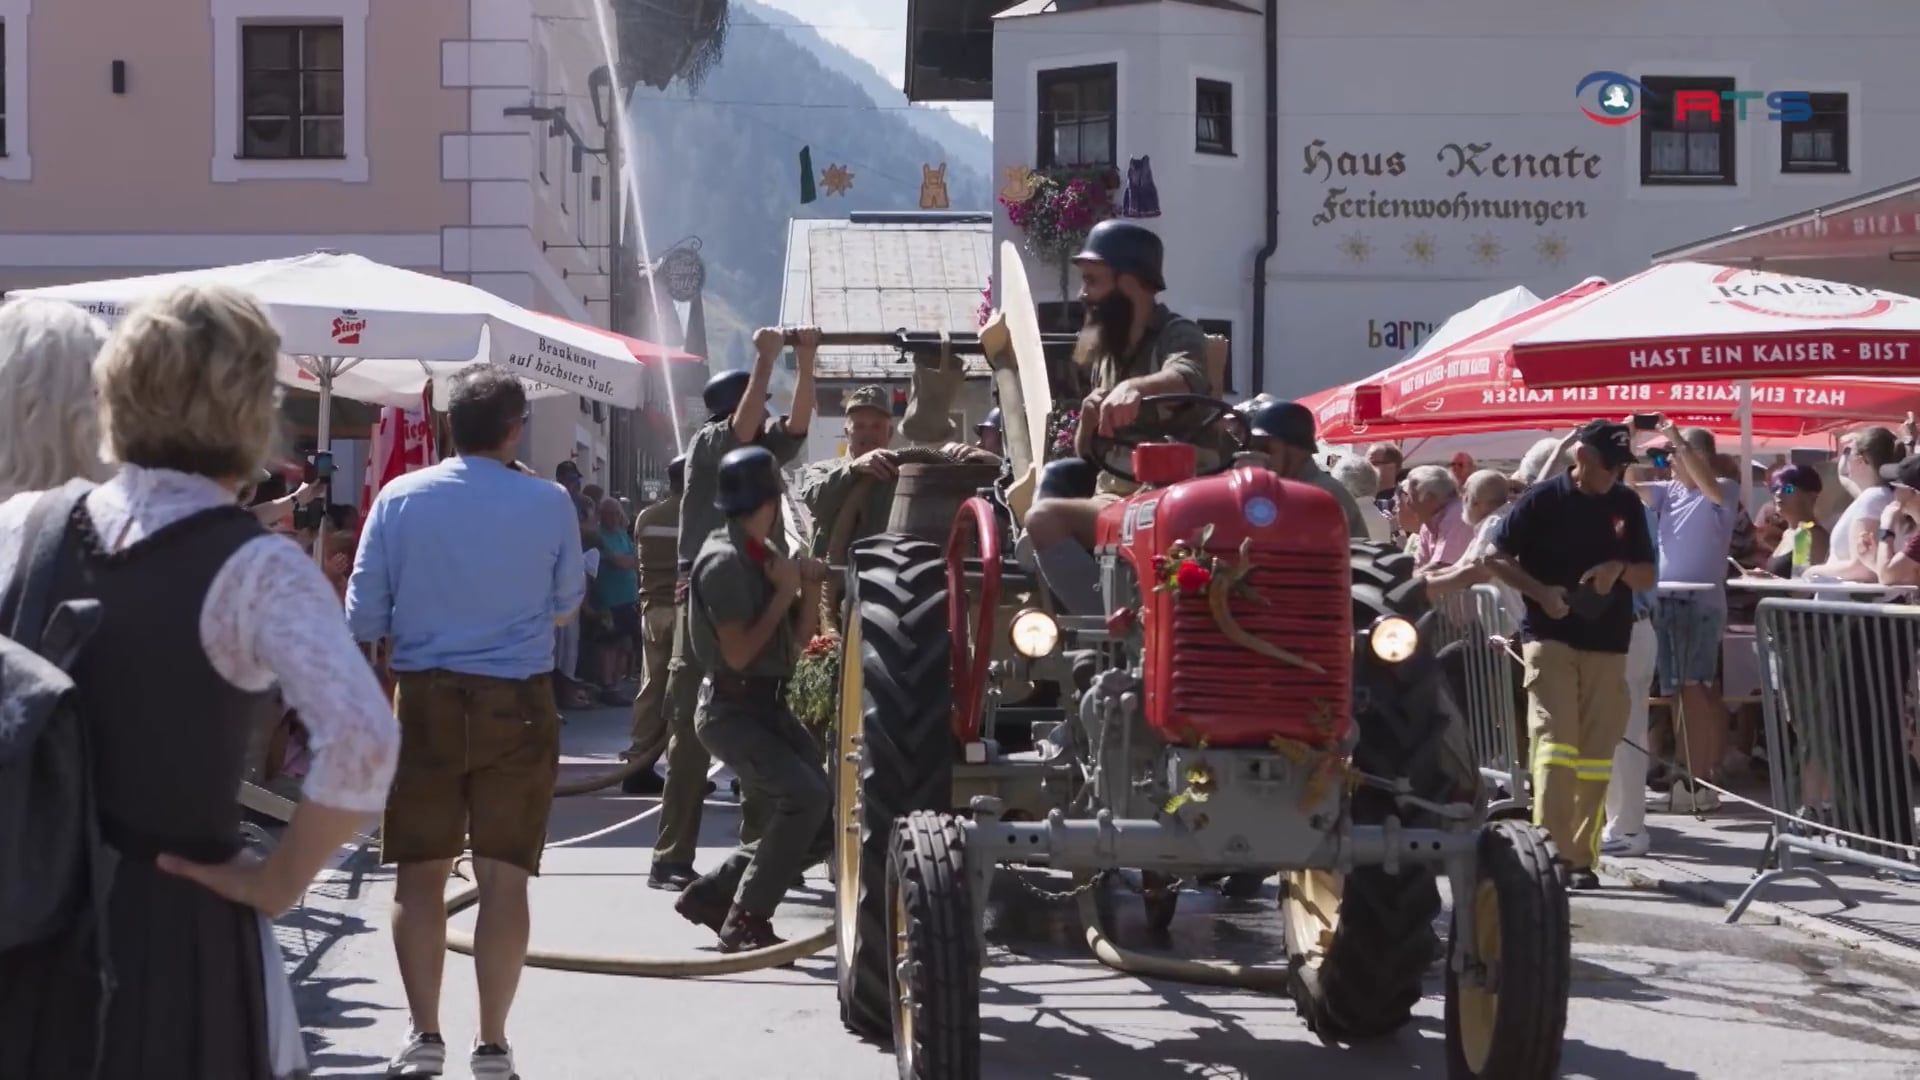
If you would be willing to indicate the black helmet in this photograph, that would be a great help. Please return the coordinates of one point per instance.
(991, 420)
(677, 474)
(1288, 423)
(748, 478)
(724, 391)
(1129, 249)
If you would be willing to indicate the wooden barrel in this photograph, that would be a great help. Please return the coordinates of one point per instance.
(926, 497)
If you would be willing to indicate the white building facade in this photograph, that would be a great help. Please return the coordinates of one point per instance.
(1429, 155)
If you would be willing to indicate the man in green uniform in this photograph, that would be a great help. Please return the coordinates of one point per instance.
(750, 609)
(656, 536)
(737, 405)
(1135, 348)
(825, 486)
(1284, 432)
(990, 434)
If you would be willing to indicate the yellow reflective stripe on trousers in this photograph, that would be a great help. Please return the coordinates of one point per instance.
(1600, 769)
(1555, 753)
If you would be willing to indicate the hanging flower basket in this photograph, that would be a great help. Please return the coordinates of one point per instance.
(1058, 212)
(815, 685)
(985, 311)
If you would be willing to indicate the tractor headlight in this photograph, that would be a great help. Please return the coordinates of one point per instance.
(1393, 639)
(1034, 634)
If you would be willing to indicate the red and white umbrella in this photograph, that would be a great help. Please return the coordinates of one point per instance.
(1689, 321)
(1474, 363)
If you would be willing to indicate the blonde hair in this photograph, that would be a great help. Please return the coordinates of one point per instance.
(187, 383)
(49, 429)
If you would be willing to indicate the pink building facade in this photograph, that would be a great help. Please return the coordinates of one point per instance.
(170, 134)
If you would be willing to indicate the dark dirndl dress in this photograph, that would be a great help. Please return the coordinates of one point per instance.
(169, 742)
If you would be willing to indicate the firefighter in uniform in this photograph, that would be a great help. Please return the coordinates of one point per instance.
(749, 611)
(736, 402)
(1134, 347)
(656, 536)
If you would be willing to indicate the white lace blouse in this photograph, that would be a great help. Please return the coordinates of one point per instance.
(270, 617)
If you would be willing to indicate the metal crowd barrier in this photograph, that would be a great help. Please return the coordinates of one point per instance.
(1840, 684)
(1470, 632)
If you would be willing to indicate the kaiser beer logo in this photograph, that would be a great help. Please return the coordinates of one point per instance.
(1784, 297)
(347, 327)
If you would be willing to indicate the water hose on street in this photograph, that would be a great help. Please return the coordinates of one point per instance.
(646, 967)
(1193, 972)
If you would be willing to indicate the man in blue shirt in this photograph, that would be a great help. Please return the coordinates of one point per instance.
(466, 567)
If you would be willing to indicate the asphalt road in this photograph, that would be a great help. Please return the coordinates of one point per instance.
(1662, 991)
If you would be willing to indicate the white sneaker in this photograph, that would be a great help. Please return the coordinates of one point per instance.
(1627, 845)
(491, 1061)
(424, 1055)
(1684, 799)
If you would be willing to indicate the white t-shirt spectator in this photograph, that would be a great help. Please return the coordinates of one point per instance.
(592, 558)
(1866, 506)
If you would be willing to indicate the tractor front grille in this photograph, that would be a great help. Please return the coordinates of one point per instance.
(1228, 695)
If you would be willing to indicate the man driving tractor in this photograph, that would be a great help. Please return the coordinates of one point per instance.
(1135, 348)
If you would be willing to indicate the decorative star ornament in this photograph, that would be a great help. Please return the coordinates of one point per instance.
(1357, 247)
(836, 180)
(1421, 248)
(1019, 185)
(1551, 248)
(1486, 250)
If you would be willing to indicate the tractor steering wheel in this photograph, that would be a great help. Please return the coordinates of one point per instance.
(1103, 447)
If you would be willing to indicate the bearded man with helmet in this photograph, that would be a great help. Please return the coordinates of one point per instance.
(1133, 347)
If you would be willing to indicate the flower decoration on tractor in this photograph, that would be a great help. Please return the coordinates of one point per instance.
(816, 683)
(1190, 570)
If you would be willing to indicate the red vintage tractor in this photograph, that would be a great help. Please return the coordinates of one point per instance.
(1258, 698)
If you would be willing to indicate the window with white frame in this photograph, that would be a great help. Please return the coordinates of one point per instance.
(1694, 148)
(1077, 117)
(293, 91)
(1213, 117)
(289, 90)
(1817, 144)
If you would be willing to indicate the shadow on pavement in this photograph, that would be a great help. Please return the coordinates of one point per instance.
(323, 1009)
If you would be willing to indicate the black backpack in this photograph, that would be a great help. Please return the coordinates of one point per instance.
(53, 864)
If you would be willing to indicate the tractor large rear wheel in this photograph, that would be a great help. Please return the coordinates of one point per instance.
(1360, 946)
(896, 697)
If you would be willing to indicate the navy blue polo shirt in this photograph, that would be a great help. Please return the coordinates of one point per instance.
(1557, 533)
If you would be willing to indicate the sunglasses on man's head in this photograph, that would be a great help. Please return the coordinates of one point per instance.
(1783, 489)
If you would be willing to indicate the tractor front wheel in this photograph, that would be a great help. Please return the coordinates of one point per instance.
(894, 752)
(1361, 944)
(936, 951)
(1510, 1018)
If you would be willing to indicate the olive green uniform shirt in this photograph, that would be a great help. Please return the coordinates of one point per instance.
(729, 586)
(656, 538)
(698, 516)
(1312, 473)
(1170, 343)
(824, 488)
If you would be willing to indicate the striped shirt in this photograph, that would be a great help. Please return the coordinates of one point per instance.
(656, 533)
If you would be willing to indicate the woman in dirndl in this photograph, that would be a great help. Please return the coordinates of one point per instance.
(203, 613)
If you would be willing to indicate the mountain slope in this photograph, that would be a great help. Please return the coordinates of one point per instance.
(962, 143)
(723, 165)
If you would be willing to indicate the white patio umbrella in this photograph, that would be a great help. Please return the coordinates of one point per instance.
(337, 312)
